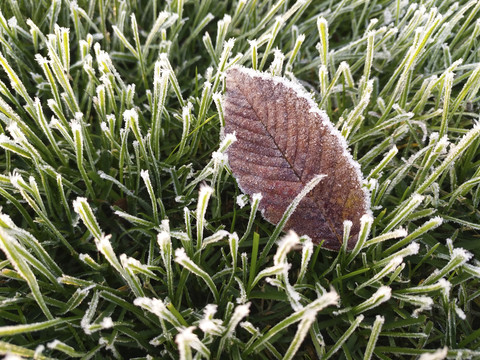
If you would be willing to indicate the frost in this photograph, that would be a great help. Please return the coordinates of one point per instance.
(53, 344)
(460, 313)
(78, 204)
(208, 324)
(227, 19)
(10, 356)
(186, 335)
(38, 351)
(285, 245)
(242, 200)
(163, 239)
(217, 236)
(210, 310)
(209, 74)
(412, 249)
(186, 339)
(293, 296)
(257, 197)
(217, 97)
(159, 308)
(181, 255)
(75, 126)
(461, 254)
(145, 176)
(219, 158)
(445, 284)
(203, 197)
(130, 116)
(383, 291)
(243, 298)
(5, 139)
(205, 190)
(131, 263)
(16, 179)
(277, 63)
(274, 282)
(440, 354)
(239, 313)
(347, 224)
(107, 322)
(6, 221)
(227, 141)
(387, 15)
(425, 303)
(12, 22)
(394, 263)
(398, 233)
(42, 60)
(253, 43)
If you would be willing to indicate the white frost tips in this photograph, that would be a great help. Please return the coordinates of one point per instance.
(242, 200)
(285, 245)
(130, 115)
(440, 354)
(462, 255)
(107, 322)
(181, 255)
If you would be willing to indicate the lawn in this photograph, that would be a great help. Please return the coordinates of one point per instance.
(125, 234)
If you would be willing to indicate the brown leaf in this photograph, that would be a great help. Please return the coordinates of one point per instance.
(283, 141)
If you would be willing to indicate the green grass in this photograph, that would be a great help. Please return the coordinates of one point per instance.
(120, 231)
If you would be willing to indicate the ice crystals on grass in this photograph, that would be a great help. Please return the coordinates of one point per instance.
(187, 339)
(285, 245)
(164, 242)
(257, 197)
(294, 296)
(271, 271)
(181, 256)
(243, 298)
(159, 308)
(240, 312)
(241, 200)
(307, 252)
(83, 209)
(383, 294)
(216, 237)
(208, 324)
(135, 266)
(277, 63)
(107, 322)
(445, 285)
(219, 158)
(425, 303)
(460, 313)
(130, 117)
(458, 258)
(203, 199)
(461, 255)
(10, 356)
(411, 249)
(439, 354)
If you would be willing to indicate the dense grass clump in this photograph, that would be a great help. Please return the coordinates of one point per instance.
(121, 229)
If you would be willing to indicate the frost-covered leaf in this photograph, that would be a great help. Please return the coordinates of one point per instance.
(283, 141)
